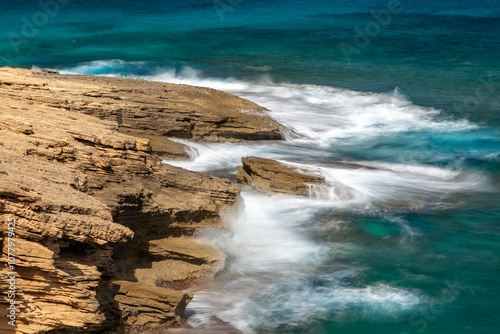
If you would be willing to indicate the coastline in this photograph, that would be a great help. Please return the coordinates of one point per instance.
(107, 234)
(376, 213)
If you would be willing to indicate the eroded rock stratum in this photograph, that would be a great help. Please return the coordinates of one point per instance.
(106, 233)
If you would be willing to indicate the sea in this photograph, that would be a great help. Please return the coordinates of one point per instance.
(396, 103)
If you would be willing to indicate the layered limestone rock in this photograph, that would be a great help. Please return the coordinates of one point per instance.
(180, 262)
(105, 233)
(272, 177)
(145, 109)
(143, 305)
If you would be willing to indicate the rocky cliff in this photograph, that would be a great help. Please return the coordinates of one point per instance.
(106, 235)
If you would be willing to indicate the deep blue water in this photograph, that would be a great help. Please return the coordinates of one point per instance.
(414, 93)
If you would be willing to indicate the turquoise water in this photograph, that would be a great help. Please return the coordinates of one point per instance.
(411, 245)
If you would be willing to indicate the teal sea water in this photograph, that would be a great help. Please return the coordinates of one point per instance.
(395, 103)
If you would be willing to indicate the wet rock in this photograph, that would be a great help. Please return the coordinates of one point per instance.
(272, 177)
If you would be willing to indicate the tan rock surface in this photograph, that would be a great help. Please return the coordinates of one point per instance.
(272, 177)
(93, 206)
(146, 109)
(145, 307)
(180, 262)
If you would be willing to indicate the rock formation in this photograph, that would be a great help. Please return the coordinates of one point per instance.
(105, 233)
(272, 177)
(145, 109)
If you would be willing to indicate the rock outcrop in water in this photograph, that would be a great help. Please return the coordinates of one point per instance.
(105, 233)
(272, 177)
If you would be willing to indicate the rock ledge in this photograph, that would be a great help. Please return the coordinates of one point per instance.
(106, 233)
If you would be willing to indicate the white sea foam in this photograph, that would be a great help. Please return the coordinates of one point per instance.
(326, 114)
(389, 185)
(220, 156)
(271, 277)
(266, 249)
